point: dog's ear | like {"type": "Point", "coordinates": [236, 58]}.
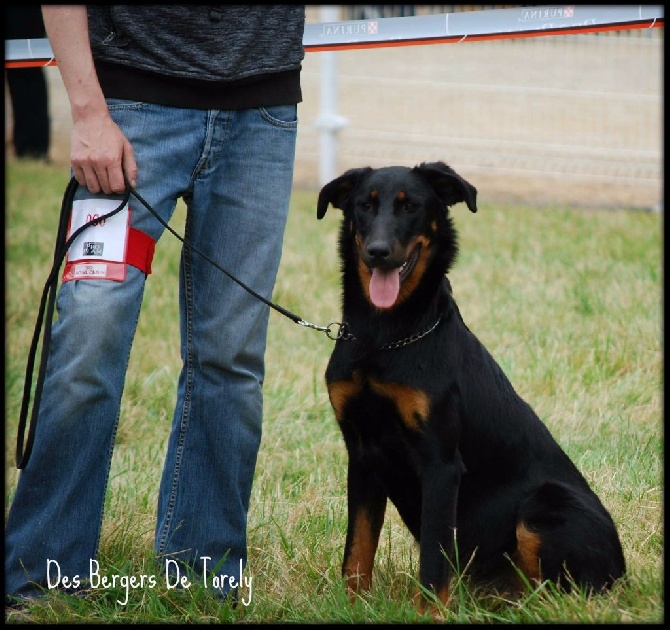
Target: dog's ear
{"type": "Point", "coordinates": [337, 192]}
{"type": "Point", "coordinates": [449, 186]}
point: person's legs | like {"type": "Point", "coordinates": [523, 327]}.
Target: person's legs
{"type": "Point", "coordinates": [237, 209]}
{"type": "Point", "coordinates": [235, 170]}
{"type": "Point", "coordinates": [30, 111]}
{"type": "Point", "coordinates": [57, 508]}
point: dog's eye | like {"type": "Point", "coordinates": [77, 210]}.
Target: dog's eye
{"type": "Point", "coordinates": [366, 205]}
{"type": "Point", "coordinates": [410, 207]}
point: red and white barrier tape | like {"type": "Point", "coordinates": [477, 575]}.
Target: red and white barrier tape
{"type": "Point", "coordinates": [441, 28]}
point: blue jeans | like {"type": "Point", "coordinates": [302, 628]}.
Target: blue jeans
{"type": "Point", "coordinates": [234, 170]}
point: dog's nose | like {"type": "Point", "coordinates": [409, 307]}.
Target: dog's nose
{"type": "Point", "coordinates": [379, 250]}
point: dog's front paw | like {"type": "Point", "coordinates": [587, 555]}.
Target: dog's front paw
{"type": "Point", "coordinates": [433, 604]}
{"type": "Point", "coordinates": [357, 584]}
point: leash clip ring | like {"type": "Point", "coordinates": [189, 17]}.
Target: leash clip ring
{"type": "Point", "coordinates": [334, 330]}
{"type": "Point", "coordinates": [342, 331]}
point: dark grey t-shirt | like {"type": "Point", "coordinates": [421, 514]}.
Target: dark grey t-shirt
{"type": "Point", "coordinates": [213, 43]}
{"type": "Point", "coordinates": [192, 55]}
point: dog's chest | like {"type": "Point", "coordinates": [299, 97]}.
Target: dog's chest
{"type": "Point", "coordinates": [373, 406]}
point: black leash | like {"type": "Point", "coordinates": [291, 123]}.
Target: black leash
{"type": "Point", "coordinates": [334, 330]}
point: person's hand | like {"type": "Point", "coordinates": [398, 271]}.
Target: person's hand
{"type": "Point", "coordinates": [100, 155]}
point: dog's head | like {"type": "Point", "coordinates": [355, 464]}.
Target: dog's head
{"type": "Point", "coordinates": [396, 219]}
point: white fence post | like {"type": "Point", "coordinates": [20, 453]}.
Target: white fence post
{"type": "Point", "coordinates": [328, 122]}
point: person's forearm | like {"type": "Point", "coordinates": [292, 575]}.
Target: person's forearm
{"type": "Point", "coordinates": [67, 29]}
{"type": "Point", "coordinates": [100, 153]}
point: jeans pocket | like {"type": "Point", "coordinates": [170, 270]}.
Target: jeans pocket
{"type": "Point", "coordinates": [280, 115]}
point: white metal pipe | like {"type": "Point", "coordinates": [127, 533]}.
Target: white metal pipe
{"type": "Point", "coordinates": [328, 122]}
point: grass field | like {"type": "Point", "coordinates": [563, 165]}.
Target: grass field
{"type": "Point", "coordinates": [570, 304]}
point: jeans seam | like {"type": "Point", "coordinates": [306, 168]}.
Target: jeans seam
{"type": "Point", "coordinates": [183, 425]}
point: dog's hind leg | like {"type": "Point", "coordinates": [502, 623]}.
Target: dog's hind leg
{"type": "Point", "coordinates": [565, 535]}
{"type": "Point", "coordinates": [528, 552]}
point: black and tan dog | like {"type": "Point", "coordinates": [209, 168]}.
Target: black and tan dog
{"type": "Point", "coordinates": [430, 420]}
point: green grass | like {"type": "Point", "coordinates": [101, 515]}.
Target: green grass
{"type": "Point", "coordinates": [569, 303]}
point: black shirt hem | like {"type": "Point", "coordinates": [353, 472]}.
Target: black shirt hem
{"type": "Point", "coordinates": [265, 90]}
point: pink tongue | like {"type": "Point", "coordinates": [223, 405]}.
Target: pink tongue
{"type": "Point", "coordinates": [384, 287]}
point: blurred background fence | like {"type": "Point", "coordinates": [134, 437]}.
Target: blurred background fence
{"type": "Point", "coordinates": [561, 119]}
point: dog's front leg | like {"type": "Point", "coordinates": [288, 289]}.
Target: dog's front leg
{"type": "Point", "coordinates": [366, 504]}
{"type": "Point", "coordinates": [440, 483]}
